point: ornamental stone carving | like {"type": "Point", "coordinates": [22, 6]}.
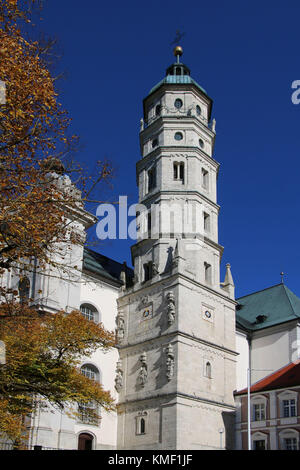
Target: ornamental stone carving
{"type": "Point", "coordinates": [119, 377]}
{"type": "Point", "coordinates": [120, 330]}
{"type": "Point", "coordinates": [170, 362]}
{"type": "Point", "coordinates": [143, 374]}
{"type": "Point", "coordinates": [171, 307]}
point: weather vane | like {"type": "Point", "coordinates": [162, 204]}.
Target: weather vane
{"type": "Point", "coordinates": [282, 274]}
{"type": "Point", "coordinates": [178, 37]}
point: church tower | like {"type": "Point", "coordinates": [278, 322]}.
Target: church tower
{"type": "Point", "coordinates": [176, 324]}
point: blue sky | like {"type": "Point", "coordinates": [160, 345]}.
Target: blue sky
{"type": "Point", "coordinates": [245, 54]}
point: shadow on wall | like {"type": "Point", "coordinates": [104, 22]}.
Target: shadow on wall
{"type": "Point", "coordinates": [229, 427]}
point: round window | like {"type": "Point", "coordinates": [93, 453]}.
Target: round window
{"type": "Point", "coordinates": [178, 136]}
{"type": "Point", "coordinates": [201, 143]}
{"type": "Point", "coordinates": [198, 110]}
{"type": "Point", "coordinates": [178, 103]}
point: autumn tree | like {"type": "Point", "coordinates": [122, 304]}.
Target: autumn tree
{"type": "Point", "coordinates": [37, 218]}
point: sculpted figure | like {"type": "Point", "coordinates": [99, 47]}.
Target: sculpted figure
{"type": "Point", "coordinates": [171, 308]}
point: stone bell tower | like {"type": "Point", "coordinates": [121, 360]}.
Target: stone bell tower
{"type": "Point", "coordinates": [176, 325]}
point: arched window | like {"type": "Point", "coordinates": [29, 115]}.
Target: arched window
{"type": "Point", "coordinates": [141, 422]}
{"type": "Point", "coordinates": [91, 372]}
{"type": "Point", "coordinates": [90, 312]}
{"type": "Point", "coordinates": [208, 370]}
{"type": "Point", "coordinates": [85, 441]}
{"type": "Point", "coordinates": [24, 289]}
{"type": "Point", "coordinates": [88, 411]}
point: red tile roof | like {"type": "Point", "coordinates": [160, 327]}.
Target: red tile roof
{"type": "Point", "coordinates": [287, 376]}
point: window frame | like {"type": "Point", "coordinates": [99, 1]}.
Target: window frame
{"type": "Point", "coordinates": [142, 417]}
{"type": "Point", "coordinates": [93, 314]}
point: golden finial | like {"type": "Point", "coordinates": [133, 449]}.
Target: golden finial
{"type": "Point", "coordinates": [178, 51]}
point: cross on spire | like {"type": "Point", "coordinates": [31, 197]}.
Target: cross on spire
{"type": "Point", "coordinates": [178, 37]}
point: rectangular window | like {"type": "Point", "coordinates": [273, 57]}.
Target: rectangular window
{"type": "Point", "coordinates": [259, 445]}
{"type": "Point", "coordinates": [205, 178]}
{"type": "Point", "coordinates": [147, 271]}
{"type": "Point", "coordinates": [178, 171]}
{"type": "Point", "coordinates": [289, 408]}
{"type": "Point", "coordinates": [151, 179]}
{"type": "Point", "coordinates": [206, 221]}
{"type": "Point", "coordinates": [259, 412]}
{"type": "Point", "coordinates": [175, 170]}
{"type": "Point", "coordinates": [181, 171]}
{"type": "Point", "coordinates": [207, 270]}
{"type": "Point", "coordinates": [290, 443]}
{"type": "Point", "coordinates": [88, 413]}
{"type": "Point", "coordinates": [149, 223]}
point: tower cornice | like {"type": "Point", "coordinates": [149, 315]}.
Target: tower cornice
{"type": "Point", "coordinates": [153, 196]}
{"type": "Point", "coordinates": [162, 87]}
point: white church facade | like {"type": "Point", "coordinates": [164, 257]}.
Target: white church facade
{"type": "Point", "coordinates": [184, 343]}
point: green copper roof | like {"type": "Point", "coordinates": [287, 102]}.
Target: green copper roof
{"type": "Point", "coordinates": [182, 79]}
{"type": "Point", "coordinates": [105, 267]}
{"type": "Point", "coordinates": [268, 307]}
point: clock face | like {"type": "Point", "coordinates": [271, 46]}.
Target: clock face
{"type": "Point", "coordinates": [207, 314]}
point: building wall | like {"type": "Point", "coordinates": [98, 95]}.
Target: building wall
{"type": "Point", "coordinates": [274, 428]}
{"type": "Point", "coordinates": [271, 349]}
{"type": "Point", "coordinates": [242, 364]}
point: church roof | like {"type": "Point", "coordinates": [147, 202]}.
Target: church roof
{"type": "Point", "coordinates": [105, 267]}
{"type": "Point", "coordinates": [268, 307]}
{"type": "Point", "coordinates": [175, 79]}
{"type": "Point", "coordinates": [287, 376]}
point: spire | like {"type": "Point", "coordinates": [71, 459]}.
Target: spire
{"type": "Point", "coordinates": [228, 284]}
{"type": "Point", "coordinates": [228, 276]}
{"type": "Point", "coordinates": [179, 257]}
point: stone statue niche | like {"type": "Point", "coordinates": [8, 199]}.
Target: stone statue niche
{"type": "Point", "coordinates": [171, 308]}
{"type": "Point", "coordinates": [143, 374]}
{"type": "Point", "coordinates": [119, 377]}
{"type": "Point", "coordinates": [120, 330]}
{"type": "Point", "coordinates": [170, 362]}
